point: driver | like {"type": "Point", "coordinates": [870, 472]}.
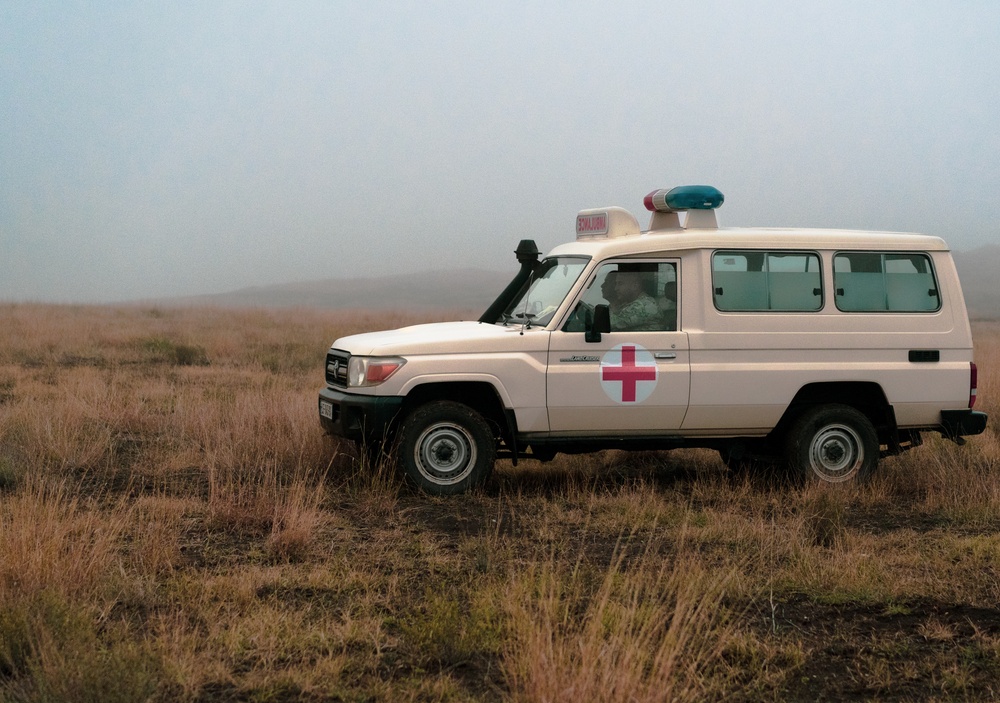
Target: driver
{"type": "Point", "coordinates": [634, 309]}
{"type": "Point", "coordinates": [608, 290]}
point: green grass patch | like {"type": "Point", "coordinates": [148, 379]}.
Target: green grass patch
{"type": "Point", "coordinates": [163, 350]}
{"type": "Point", "coordinates": [50, 650]}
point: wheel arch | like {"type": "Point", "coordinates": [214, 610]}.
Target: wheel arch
{"type": "Point", "coordinates": [481, 396]}
{"type": "Point", "coordinates": [867, 397]}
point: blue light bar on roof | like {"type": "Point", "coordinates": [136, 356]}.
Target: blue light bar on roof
{"type": "Point", "coordinates": [684, 198]}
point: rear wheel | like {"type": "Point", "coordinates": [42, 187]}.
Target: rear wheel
{"type": "Point", "coordinates": [446, 448]}
{"type": "Point", "coordinates": [832, 444]}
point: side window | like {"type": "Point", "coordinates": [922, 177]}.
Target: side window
{"type": "Point", "coordinates": [882, 282]}
{"type": "Point", "coordinates": [767, 280]}
{"type": "Point", "coordinates": [641, 296]}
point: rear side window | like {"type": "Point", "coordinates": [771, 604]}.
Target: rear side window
{"type": "Point", "coordinates": [767, 280]}
{"type": "Point", "coordinates": [883, 282]}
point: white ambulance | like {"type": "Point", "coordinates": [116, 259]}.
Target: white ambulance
{"type": "Point", "coordinates": [810, 351]}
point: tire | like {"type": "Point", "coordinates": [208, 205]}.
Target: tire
{"type": "Point", "coordinates": [446, 448]}
{"type": "Point", "coordinates": [832, 444]}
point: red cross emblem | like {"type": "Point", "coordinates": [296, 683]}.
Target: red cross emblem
{"type": "Point", "coordinates": [628, 365]}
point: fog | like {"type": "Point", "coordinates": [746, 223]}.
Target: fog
{"type": "Point", "coordinates": [165, 149]}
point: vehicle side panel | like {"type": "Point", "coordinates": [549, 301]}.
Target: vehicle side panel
{"type": "Point", "coordinates": [747, 367]}
{"type": "Point", "coordinates": [515, 375]}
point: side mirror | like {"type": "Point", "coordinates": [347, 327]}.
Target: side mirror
{"type": "Point", "coordinates": [601, 324]}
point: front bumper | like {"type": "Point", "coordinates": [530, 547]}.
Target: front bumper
{"type": "Point", "coordinates": [360, 418]}
{"type": "Point", "coordinates": [959, 423]}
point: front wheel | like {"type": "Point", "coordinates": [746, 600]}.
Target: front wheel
{"type": "Point", "coordinates": [446, 448]}
{"type": "Point", "coordinates": [833, 443]}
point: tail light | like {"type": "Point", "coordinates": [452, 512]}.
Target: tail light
{"type": "Point", "coordinates": [973, 383]}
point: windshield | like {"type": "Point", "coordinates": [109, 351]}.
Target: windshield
{"type": "Point", "coordinates": [547, 288]}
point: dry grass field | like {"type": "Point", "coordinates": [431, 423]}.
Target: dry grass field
{"type": "Point", "coordinates": [174, 526]}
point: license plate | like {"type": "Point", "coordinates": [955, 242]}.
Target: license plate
{"type": "Point", "coordinates": [326, 409]}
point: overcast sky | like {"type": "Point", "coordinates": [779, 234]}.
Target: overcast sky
{"type": "Point", "coordinates": [151, 149]}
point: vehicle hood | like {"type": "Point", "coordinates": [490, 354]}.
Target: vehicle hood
{"type": "Point", "coordinates": [443, 337]}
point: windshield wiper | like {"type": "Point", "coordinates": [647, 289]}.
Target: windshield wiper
{"type": "Point", "coordinates": [527, 317]}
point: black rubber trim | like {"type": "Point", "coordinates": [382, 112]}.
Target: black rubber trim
{"type": "Point", "coordinates": [360, 418]}
{"type": "Point", "coordinates": [960, 423]}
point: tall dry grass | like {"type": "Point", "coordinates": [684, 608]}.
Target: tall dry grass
{"type": "Point", "coordinates": [60, 577]}
{"type": "Point", "coordinates": [641, 629]}
{"type": "Point", "coordinates": [55, 541]}
{"type": "Point", "coordinates": [174, 526]}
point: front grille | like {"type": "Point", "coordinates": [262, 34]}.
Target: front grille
{"type": "Point", "coordinates": [336, 368]}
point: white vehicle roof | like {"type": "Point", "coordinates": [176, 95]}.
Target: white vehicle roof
{"type": "Point", "coordinates": [748, 237]}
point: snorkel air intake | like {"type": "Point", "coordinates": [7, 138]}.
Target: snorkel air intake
{"type": "Point", "coordinates": [527, 256]}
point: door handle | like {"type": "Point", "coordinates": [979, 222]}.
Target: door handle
{"type": "Point", "coordinates": [665, 355]}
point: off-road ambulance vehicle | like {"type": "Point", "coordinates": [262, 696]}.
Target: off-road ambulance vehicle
{"type": "Point", "coordinates": [814, 351]}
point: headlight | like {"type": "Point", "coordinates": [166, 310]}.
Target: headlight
{"type": "Point", "coordinates": [372, 370]}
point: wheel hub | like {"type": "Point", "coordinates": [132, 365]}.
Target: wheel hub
{"type": "Point", "coordinates": [836, 453]}
{"type": "Point", "coordinates": [445, 453]}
